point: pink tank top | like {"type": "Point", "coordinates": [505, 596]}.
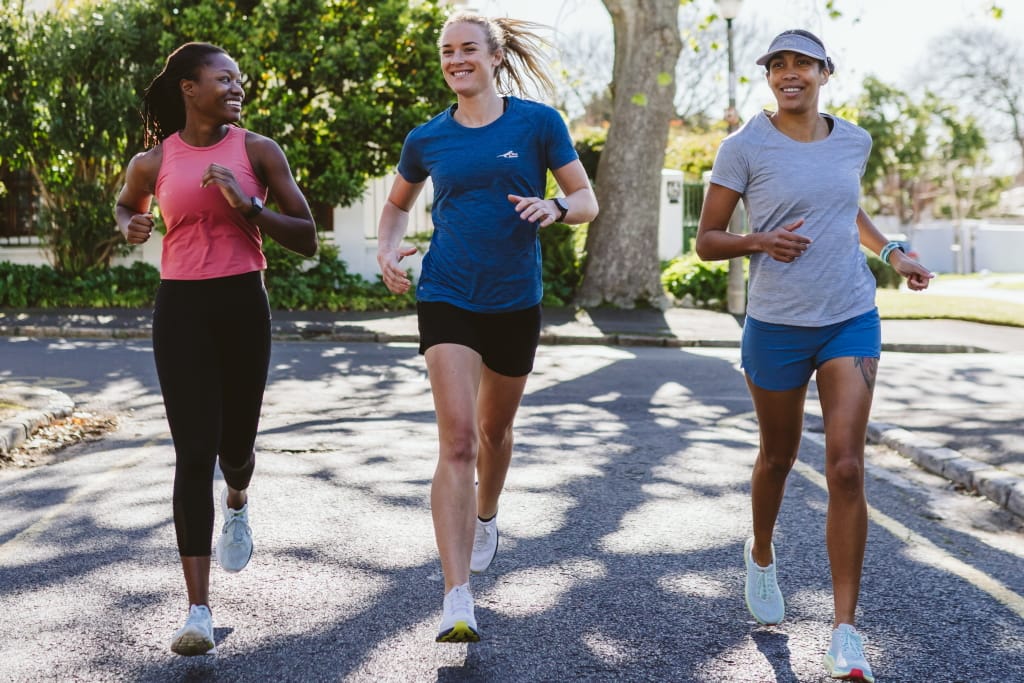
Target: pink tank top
{"type": "Point", "coordinates": [206, 238]}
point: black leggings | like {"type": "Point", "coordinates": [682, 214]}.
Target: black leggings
{"type": "Point", "coordinates": [211, 342]}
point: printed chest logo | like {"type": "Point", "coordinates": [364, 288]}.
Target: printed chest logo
{"type": "Point", "coordinates": [511, 154]}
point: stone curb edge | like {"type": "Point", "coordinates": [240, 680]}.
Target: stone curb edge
{"type": "Point", "coordinates": [324, 333]}
{"type": "Point", "coordinates": [16, 431]}
{"type": "Point", "coordinates": [1002, 488]}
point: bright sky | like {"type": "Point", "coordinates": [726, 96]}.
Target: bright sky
{"type": "Point", "coordinates": [884, 38]}
{"type": "Point", "coordinates": [887, 38]}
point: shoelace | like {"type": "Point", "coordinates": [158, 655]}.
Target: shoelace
{"type": "Point", "coordinates": [852, 645]}
{"type": "Point", "coordinates": [462, 601]}
{"type": "Point", "coordinates": [237, 525]}
{"type": "Point", "coordinates": [481, 539]}
{"type": "Point", "coordinates": [764, 585]}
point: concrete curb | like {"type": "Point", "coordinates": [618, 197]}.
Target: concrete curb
{"type": "Point", "coordinates": [44, 406]}
{"type": "Point", "coordinates": [1001, 487]}
{"type": "Point", "coordinates": [315, 332]}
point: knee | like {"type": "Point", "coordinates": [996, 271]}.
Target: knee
{"type": "Point", "coordinates": [459, 446]}
{"type": "Point", "coordinates": [776, 463]}
{"type": "Point", "coordinates": [496, 435]}
{"type": "Point", "coordinates": [845, 475]}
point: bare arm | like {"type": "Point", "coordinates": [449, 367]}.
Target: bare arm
{"type": "Point", "coordinates": [871, 237]}
{"type": "Point", "coordinates": [292, 224]}
{"type": "Point", "coordinates": [579, 197]}
{"type": "Point", "coordinates": [131, 212]}
{"type": "Point", "coordinates": [394, 221]}
{"type": "Point", "coordinates": [715, 242]}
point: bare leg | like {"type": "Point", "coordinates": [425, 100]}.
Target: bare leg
{"type": "Point", "coordinates": [197, 579]}
{"type": "Point", "coordinates": [496, 410]}
{"type": "Point", "coordinates": [780, 417]}
{"type": "Point", "coordinates": [454, 372]}
{"type": "Point", "coordinates": [845, 387]}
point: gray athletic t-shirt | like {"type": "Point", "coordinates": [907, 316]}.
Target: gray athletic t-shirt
{"type": "Point", "coordinates": [783, 180]}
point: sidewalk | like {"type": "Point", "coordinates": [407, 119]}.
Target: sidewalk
{"type": "Point", "coordinates": [996, 470]}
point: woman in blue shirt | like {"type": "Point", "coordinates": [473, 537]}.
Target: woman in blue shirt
{"type": "Point", "coordinates": [479, 293]}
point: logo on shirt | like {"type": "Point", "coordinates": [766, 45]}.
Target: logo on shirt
{"type": "Point", "coordinates": [511, 154]}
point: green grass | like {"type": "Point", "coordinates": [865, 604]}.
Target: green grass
{"type": "Point", "coordinates": [901, 305]}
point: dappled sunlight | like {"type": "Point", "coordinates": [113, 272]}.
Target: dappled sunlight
{"type": "Point", "coordinates": [698, 585]}
{"type": "Point", "coordinates": [530, 514]}
{"type": "Point", "coordinates": [706, 464]}
{"type": "Point", "coordinates": [665, 525]}
{"type": "Point", "coordinates": [550, 369]}
{"type": "Point", "coordinates": [609, 650]}
{"type": "Point", "coordinates": [331, 513]}
{"type": "Point", "coordinates": [318, 594]}
{"type": "Point", "coordinates": [743, 655]}
{"type": "Point", "coordinates": [529, 592]}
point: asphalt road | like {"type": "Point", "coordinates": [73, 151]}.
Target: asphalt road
{"type": "Point", "coordinates": [622, 528]}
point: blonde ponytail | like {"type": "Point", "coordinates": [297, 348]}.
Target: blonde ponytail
{"type": "Point", "coordinates": [524, 64]}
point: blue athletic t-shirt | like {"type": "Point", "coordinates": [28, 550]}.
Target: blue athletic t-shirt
{"type": "Point", "coordinates": [482, 256]}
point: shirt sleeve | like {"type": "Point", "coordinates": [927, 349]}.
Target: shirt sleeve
{"type": "Point", "coordinates": [560, 148]}
{"type": "Point", "coordinates": [410, 163]}
{"type": "Point", "coordinates": [731, 169]}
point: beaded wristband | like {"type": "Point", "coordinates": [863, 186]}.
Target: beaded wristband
{"type": "Point", "coordinates": [888, 249]}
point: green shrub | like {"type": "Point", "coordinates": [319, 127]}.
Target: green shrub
{"type": "Point", "coordinates": [324, 283]}
{"type": "Point", "coordinates": [27, 286]}
{"type": "Point", "coordinates": [705, 282]}
{"type": "Point", "coordinates": [885, 275]}
{"type": "Point", "coordinates": [561, 249]}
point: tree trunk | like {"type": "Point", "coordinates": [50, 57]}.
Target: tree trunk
{"type": "Point", "coordinates": [622, 265]}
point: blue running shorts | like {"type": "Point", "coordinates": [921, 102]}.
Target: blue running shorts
{"type": "Point", "coordinates": [783, 357]}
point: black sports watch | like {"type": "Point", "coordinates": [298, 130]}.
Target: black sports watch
{"type": "Point", "coordinates": [563, 208]}
{"type": "Point", "coordinates": [257, 208]}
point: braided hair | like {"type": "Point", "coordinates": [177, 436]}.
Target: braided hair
{"type": "Point", "coordinates": [163, 109]}
{"type": "Point", "coordinates": [524, 63]}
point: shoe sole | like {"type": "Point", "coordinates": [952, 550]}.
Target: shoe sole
{"type": "Point", "coordinates": [497, 540]}
{"type": "Point", "coordinates": [191, 645]}
{"type": "Point", "coordinates": [461, 632]}
{"type": "Point", "coordinates": [851, 675]}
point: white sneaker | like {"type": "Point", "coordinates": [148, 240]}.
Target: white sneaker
{"type": "Point", "coordinates": [764, 599]}
{"type": "Point", "coordinates": [485, 545]}
{"type": "Point", "coordinates": [458, 623]}
{"type": "Point", "coordinates": [845, 656]}
{"type": "Point", "coordinates": [234, 547]}
{"type": "Point", "coordinates": [196, 636]}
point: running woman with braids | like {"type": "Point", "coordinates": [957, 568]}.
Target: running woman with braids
{"type": "Point", "coordinates": [211, 321]}
{"type": "Point", "coordinates": [811, 310]}
{"type": "Point", "coordinates": [479, 293]}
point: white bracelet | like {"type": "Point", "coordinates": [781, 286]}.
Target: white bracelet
{"type": "Point", "coordinates": [888, 249]}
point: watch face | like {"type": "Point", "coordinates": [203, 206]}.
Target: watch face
{"type": "Point", "coordinates": [257, 204]}
{"type": "Point", "coordinates": [561, 204]}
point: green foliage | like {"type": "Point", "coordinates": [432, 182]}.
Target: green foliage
{"type": "Point", "coordinates": [72, 80]}
{"type": "Point", "coordinates": [886, 276]}
{"type": "Point", "coordinates": [704, 282]}
{"type": "Point", "coordinates": [926, 157]}
{"type": "Point", "coordinates": [324, 283]}
{"type": "Point", "coordinates": [337, 83]}
{"type": "Point", "coordinates": [589, 144]}
{"type": "Point", "coordinates": [692, 150]}
{"type": "Point", "coordinates": [561, 249]}
{"type": "Point", "coordinates": [23, 286]}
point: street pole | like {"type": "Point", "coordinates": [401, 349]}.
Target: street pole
{"type": "Point", "coordinates": [736, 288]}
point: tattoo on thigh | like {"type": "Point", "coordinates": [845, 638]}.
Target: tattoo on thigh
{"type": "Point", "coordinates": [868, 369]}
